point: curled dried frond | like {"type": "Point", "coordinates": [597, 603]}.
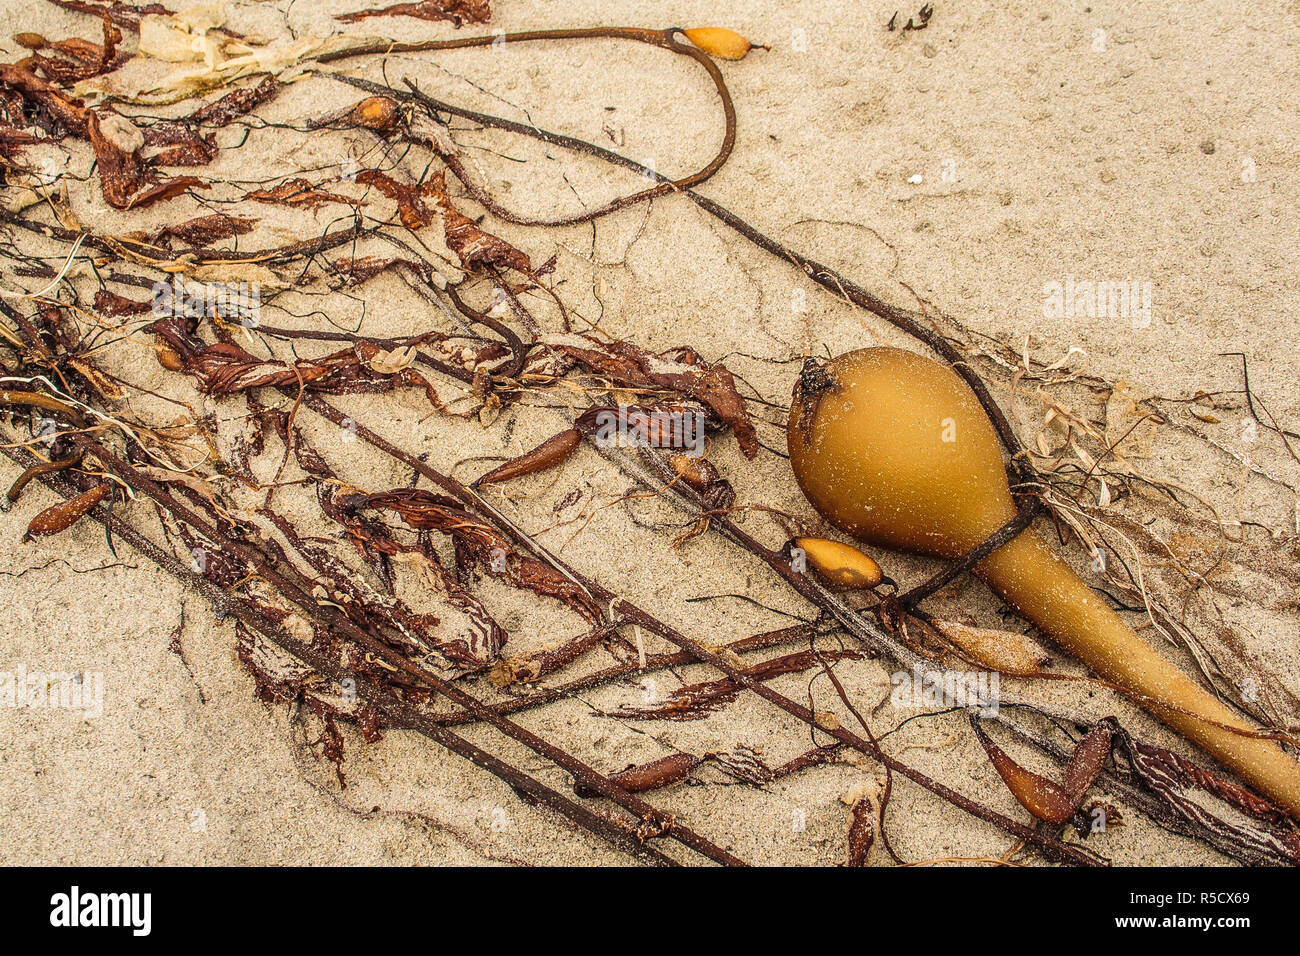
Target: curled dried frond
{"type": "Point", "coordinates": [1040, 796]}
{"type": "Point", "coordinates": [298, 192]}
{"type": "Point", "coordinates": [474, 247]}
{"type": "Point", "coordinates": [125, 181]}
{"type": "Point", "coordinates": [480, 543]}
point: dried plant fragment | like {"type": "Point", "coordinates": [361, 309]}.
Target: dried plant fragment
{"type": "Point", "coordinates": [410, 202]}
{"type": "Point", "coordinates": [81, 59]}
{"type": "Point", "coordinates": [123, 179]}
{"type": "Point", "coordinates": [654, 775]}
{"type": "Point", "coordinates": [68, 111]}
{"type": "Point", "coordinates": [202, 231]}
{"type": "Point", "coordinates": [1035, 793]}
{"type": "Point", "coordinates": [527, 668]}
{"type": "Point", "coordinates": [679, 370]}
{"type": "Point", "coordinates": [126, 15]}
{"type": "Point", "coordinates": [553, 451]}
{"type": "Point", "coordinates": [1178, 783]}
{"type": "Point", "coordinates": [1089, 757]}
{"type": "Point", "coordinates": [697, 701]}
{"type": "Point", "coordinates": [226, 368]}
{"type": "Point", "coordinates": [468, 639]}
{"type": "Point", "coordinates": [234, 104]}
{"type": "Point", "coordinates": [111, 304]}
{"type": "Point", "coordinates": [204, 55]}
{"type": "Point", "coordinates": [62, 516]}
{"type": "Point", "coordinates": [1004, 651]}
{"type": "Point", "coordinates": [483, 544]}
{"type": "Point", "coordinates": [12, 140]}
{"type": "Point", "coordinates": [744, 764]}
{"type": "Point", "coordinates": [474, 247]}
{"type": "Point", "coordinates": [362, 269]}
{"type": "Point", "coordinates": [281, 678]}
{"type": "Point", "coordinates": [298, 192]}
{"type": "Point", "coordinates": [862, 832]}
{"type": "Point", "coordinates": [174, 144]}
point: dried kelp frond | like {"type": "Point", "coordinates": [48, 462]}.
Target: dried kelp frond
{"type": "Point", "coordinates": [125, 180]}
{"type": "Point", "coordinates": [697, 701]}
{"type": "Point", "coordinates": [479, 544]}
{"type": "Point", "coordinates": [122, 14]}
{"type": "Point", "coordinates": [201, 231]}
{"type": "Point", "coordinates": [226, 368]}
{"type": "Point", "coordinates": [677, 370]}
{"type": "Point", "coordinates": [281, 678]}
{"type": "Point", "coordinates": [81, 59]}
{"type": "Point", "coordinates": [234, 104]}
{"type": "Point", "coordinates": [744, 764]}
{"type": "Point", "coordinates": [110, 303]}
{"type": "Point", "coordinates": [361, 269]}
{"type": "Point", "coordinates": [474, 247]}
{"type": "Point", "coordinates": [1040, 796]}
{"type": "Point", "coordinates": [410, 199]}
{"type": "Point", "coordinates": [299, 192]}
{"type": "Point", "coordinates": [469, 640]}
{"type": "Point", "coordinates": [175, 144]}
{"type": "Point", "coordinates": [69, 111]}
{"type": "Point", "coordinates": [472, 642]}
{"type": "Point", "coordinates": [1258, 825]}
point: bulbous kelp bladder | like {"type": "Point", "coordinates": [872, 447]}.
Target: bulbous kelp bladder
{"type": "Point", "coordinates": [895, 449]}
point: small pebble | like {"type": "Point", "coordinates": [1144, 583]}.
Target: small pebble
{"type": "Point", "coordinates": [1207, 147]}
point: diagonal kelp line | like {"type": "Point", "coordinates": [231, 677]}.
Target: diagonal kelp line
{"type": "Point", "coordinates": [298, 591]}
{"type": "Point", "coordinates": [620, 608]}
{"type": "Point", "coordinates": [403, 715]}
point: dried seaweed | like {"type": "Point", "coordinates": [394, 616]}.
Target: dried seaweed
{"type": "Point", "coordinates": [290, 590]}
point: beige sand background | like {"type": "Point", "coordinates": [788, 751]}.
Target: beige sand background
{"type": "Point", "coordinates": [1102, 141]}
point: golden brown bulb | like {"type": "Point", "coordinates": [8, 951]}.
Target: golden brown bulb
{"type": "Point", "coordinates": [720, 42]}
{"type": "Point", "coordinates": [894, 448]}
{"type": "Point", "coordinates": [840, 564]}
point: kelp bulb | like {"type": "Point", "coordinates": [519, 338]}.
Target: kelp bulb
{"type": "Point", "coordinates": [895, 449]}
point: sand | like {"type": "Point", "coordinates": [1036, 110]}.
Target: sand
{"type": "Point", "coordinates": [966, 166]}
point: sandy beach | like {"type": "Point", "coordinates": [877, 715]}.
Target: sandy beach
{"type": "Point", "coordinates": [983, 170]}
